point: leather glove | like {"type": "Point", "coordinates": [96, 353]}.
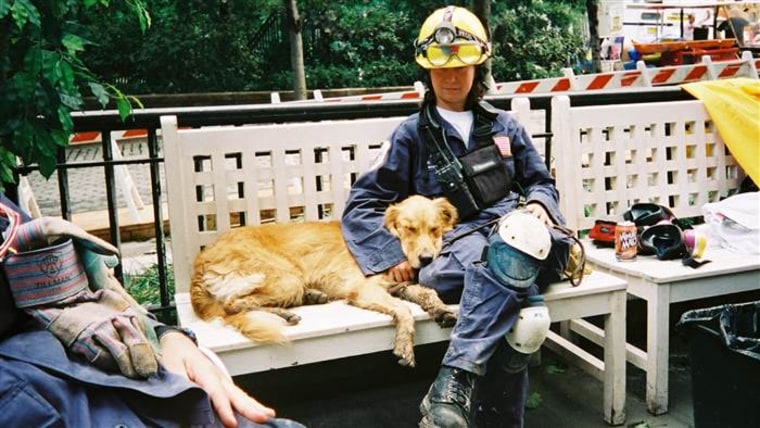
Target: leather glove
{"type": "Point", "coordinates": [576, 262]}
{"type": "Point", "coordinates": [86, 309]}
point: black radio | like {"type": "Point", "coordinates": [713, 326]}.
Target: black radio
{"type": "Point", "coordinates": [454, 185]}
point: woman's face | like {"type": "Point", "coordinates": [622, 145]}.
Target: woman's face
{"type": "Point", "coordinates": [451, 86]}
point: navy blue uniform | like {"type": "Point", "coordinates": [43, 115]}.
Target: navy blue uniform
{"type": "Point", "coordinates": [487, 308]}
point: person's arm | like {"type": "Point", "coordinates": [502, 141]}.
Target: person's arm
{"type": "Point", "coordinates": [375, 249]}
{"type": "Point", "coordinates": [181, 356]}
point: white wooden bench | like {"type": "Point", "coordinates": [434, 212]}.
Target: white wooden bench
{"type": "Point", "coordinates": [302, 171]}
{"type": "Point", "coordinates": [670, 153]}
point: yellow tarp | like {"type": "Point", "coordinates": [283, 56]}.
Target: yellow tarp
{"type": "Point", "coordinates": [734, 107]}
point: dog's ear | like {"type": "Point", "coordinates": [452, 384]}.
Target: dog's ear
{"type": "Point", "coordinates": [447, 211]}
{"type": "Point", "coordinates": [391, 218]}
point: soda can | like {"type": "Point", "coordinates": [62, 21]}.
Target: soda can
{"type": "Point", "coordinates": [626, 241]}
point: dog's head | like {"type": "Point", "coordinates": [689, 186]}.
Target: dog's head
{"type": "Point", "coordinates": [419, 223]}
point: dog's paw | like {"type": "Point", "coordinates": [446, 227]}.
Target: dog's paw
{"type": "Point", "coordinates": [405, 355]}
{"type": "Point", "coordinates": [406, 361]}
{"type": "Point", "coordinates": [314, 297]}
{"type": "Point", "coordinates": [292, 319]}
{"type": "Point", "coordinates": [446, 318]}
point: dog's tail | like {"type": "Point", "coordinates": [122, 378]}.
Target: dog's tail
{"type": "Point", "coordinates": [259, 326]}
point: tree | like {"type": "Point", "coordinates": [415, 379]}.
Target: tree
{"type": "Point", "coordinates": [42, 78]}
{"type": "Point", "coordinates": [192, 47]}
{"type": "Point", "coordinates": [592, 9]}
{"type": "Point", "coordinates": [536, 39]}
{"type": "Point", "coordinates": [482, 9]}
{"type": "Point", "coordinates": [295, 24]}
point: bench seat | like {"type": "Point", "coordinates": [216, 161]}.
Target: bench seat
{"type": "Point", "coordinates": [374, 331]}
{"type": "Point", "coordinates": [219, 178]}
{"type": "Point", "coordinates": [337, 330]}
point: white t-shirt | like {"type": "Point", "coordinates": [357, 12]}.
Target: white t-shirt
{"type": "Point", "coordinates": [462, 121]}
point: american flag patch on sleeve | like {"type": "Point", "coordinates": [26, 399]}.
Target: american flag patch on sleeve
{"type": "Point", "coordinates": [502, 142]}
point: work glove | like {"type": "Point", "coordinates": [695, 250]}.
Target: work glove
{"type": "Point", "coordinates": [60, 275]}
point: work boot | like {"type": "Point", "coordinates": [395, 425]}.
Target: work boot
{"type": "Point", "coordinates": [447, 403]}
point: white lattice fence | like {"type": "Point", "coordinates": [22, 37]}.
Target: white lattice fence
{"type": "Point", "coordinates": [610, 157]}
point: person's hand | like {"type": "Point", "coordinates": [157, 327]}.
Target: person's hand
{"type": "Point", "coordinates": [401, 272]}
{"type": "Point", "coordinates": [538, 210]}
{"type": "Point", "coordinates": [182, 357]}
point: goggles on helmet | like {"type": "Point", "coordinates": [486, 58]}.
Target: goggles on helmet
{"type": "Point", "coordinates": [441, 46]}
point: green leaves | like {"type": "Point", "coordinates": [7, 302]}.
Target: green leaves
{"type": "Point", "coordinates": [5, 7]}
{"type": "Point", "coordinates": [7, 160]}
{"type": "Point", "coordinates": [138, 7]}
{"type": "Point", "coordinates": [43, 75]}
{"type": "Point", "coordinates": [533, 401]}
{"type": "Point", "coordinates": [23, 11]}
{"type": "Point", "coordinates": [99, 92]}
{"type": "Point", "coordinates": [73, 43]}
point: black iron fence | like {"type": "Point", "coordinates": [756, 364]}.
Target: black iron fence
{"type": "Point", "coordinates": [106, 122]}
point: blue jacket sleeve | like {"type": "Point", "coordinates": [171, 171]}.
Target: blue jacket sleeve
{"type": "Point", "coordinates": [388, 181]}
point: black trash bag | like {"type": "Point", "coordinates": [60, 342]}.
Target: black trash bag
{"type": "Point", "coordinates": [724, 354]}
{"type": "Point", "coordinates": [738, 325]}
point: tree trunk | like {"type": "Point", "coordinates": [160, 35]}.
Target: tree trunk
{"type": "Point", "coordinates": [482, 9]}
{"type": "Point", "coordinates": [592, 9]}
{"type": "Point", "coordinates": [293, 20]}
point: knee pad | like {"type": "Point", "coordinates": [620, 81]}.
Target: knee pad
{"type": "Point", "coordinates": [517, 250]}
{"type": "Point", "coordinates": [529, 331]}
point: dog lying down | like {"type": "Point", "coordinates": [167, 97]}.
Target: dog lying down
{"type": "Point", "coordinates": [252, 274]}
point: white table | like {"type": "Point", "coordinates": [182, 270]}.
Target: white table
{"type": "Point", "coordinates": [661, 283]}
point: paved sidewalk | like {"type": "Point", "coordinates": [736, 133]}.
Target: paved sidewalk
{"type": "Point", "coordinates": [374, 392]}
{"type": "Point", "coordinates": [87, 185]}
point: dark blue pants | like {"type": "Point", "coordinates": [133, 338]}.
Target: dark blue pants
{"type": "Point", "coordinates": [487, 310]}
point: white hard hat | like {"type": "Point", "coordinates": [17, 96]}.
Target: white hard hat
{"type": "Point", "coordinates": [518, 248]}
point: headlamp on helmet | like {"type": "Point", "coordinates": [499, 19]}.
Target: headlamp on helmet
{"type": "Point", "coordinates": [445, 33]}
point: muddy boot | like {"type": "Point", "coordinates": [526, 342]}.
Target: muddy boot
{"type": "Point", "coordinates": [447, 403]}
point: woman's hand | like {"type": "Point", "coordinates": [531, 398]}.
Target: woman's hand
{"type": "Point", "coordinates": [182, 357]}
{"type": "Point", "coordinates": [538, 210]}
{"type": "Point", "coordinates": [401, 272]}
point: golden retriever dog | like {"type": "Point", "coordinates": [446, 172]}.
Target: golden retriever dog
{"type": "Point", "coordinates": [252, 274]}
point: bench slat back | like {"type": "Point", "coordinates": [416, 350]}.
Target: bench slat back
{"type": "Point", "coordinates": [223, 177]}
{"type": "Point", "coordinates": [219, 178]}
{"type": "Point", "coordinates": [609, 157]}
